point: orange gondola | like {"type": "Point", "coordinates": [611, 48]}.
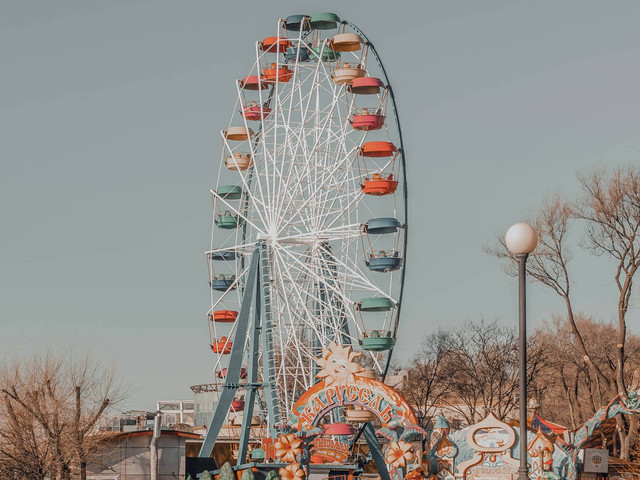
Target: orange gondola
{"type": "Point", "coordinates": [225, 316]}
{"type": "Point", "coordinates": [222, 346]}
{"type": "Point", "coordinates": [275, 45]}
{"type": "Point", "coordinates": [237, 405]}
{"type": "Point", "coordinates": [379, 185]}
{"type": "Point", "coordinates": [274, 74]}
{"type": "Point", "coordinates": [378, 149]}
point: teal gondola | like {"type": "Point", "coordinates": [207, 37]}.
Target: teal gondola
{"type": "Point", "coordinates": [294, 23]}
{"type": "Point", "coordinates": [375, 304]}
{"type": "Point", "coordinates": [230, 192]}
{"type": "Point", "coordinates": [378, 341]}
{"type": "Point", "coordinates": [228, 221]}
{"type": "Point", "coordinates": [384, 261]}
{"type": "Point", "coordinates": [223, 256]}
{"type": "Point", "coordinates": [327, 55]}
{"type": "Point", "coordinates": [324, 21]}
{"type": "Point", "coordinates": [382, 225]}
{"type": "Point", "coordinates": [302, 55]}
{"type": "Point", "coordinates": [222, 283]}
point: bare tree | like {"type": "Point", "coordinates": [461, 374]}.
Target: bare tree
{"type": "Point", "coordinates": [549, 263]}
{"type": "Point", "coordinates": [51, 404]}
{"type": "Point", "coordinates": [482, 366]}
{"type": "Point", "coordinates": [23, 454]}
{"type": "Point", "coordinates": [611, 209]}
{"type": "Point", "coordinates": [427, 382]}
{"type": "Point", "coordinates": [470, 370]}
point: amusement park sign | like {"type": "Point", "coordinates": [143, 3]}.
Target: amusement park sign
{"type": "Point", "coordinates": [368, 393]}
{"type": "Point", "coordinates": [323, 450]}
{"type": "Point", "coordinates": [342, 385]}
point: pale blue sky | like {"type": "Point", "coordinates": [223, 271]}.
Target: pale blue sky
{"type": "Point", "coordinates": [109, 113]}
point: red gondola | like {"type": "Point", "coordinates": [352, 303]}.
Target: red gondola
{"type": "Point", "coordinates": [253, 82]}
{"type": "Point", "coordinates": [366, 86]}
{"type": "Point", "coordinates": [339, 429]}
{"type": "Point", "coordinates": [275, 45]}
{"type": "Point", "coordinates": [223, 373]}
{"type": "Point", "coordinates": [254, 111]}
{"type": "Point", "coordinates": [366, 121]}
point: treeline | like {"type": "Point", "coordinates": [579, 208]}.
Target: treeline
{"type": "Point", "coordinates": [471, 370]}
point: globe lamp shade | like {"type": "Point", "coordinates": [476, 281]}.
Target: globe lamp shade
{"type": "Point", "coordinates": [521, 239]}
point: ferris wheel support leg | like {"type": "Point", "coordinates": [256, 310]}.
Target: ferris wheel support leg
{"type": "Point", "coordinates": [376, 452]}
{"type": "Point", "coordinates": [268, 361]}
{"type": "Point", "coordinates": [232, 378]}
{"type": "Point", "coordinates": [252, 387]}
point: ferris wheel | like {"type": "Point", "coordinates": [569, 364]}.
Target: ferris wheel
{"type": "Point", "coordinates": [310, 200]}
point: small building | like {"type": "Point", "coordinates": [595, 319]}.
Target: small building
{"type": "Point", "coordinates": [128, 455]}
{"type": "Point", "coordinates": [176, 413]}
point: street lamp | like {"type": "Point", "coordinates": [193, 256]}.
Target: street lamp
{"type": "Point", "coordinates": [521, 239]}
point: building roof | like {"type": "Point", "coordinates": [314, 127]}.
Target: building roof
{"type": "Point", "coordinates": [138, 433]}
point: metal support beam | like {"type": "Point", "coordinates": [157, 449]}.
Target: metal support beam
{"type": "Point", "coordinates": [376, 452]}
{"type": "Point", "coordinates": [252, 387]}
{"type": "Point", "coordinates": [232, 378]}
{"type": "Point", "coordinates": [268, 361]}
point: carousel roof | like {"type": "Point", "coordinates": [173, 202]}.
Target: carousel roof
{"type": "Point", "coordinates": [535, 421]}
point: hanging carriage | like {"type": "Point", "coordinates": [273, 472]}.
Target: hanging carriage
{"type": "Point", "coordinates": [378, 168]}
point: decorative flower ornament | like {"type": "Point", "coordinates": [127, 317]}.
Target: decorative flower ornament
{"type": "Point", "coordinates": [288, 447]}
{"type": "Point", "coordinates": [291, 472]}
{"type": "Point", "coordinates": [415, 474]}
{"type": "Point", "coordinates": [398, 454]}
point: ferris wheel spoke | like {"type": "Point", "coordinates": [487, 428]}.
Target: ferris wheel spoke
{"type": "Point", "coordinates": [297, 263]}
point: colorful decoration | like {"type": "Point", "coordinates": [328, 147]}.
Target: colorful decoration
{"type": "Point", "coordinates": [492, 441]}
{"type": "Point", "coordinates": [291, 472]}
{"type": "Point", "coordinates": [540, 450]}
{"type": "Point", "coordinates": [327, 450]}
{"type": "Point", "coordinates": [415, 474]}
{"type": "Point", "coordinates": [443, 451]}
{"type": "Point", "coordinates": [399, 451]}
{"type": "Point", "coordinates": [288, 447]}
{"type": "Point", "coordinates": [398, 454]}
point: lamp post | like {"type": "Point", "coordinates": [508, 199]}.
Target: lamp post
{"type": "Point", "coordinates": [521, 239]}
